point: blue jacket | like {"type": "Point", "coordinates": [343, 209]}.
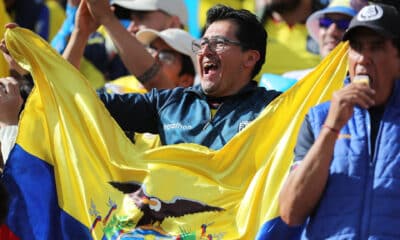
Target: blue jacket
{"type": "Point", "coordinates": [362, 196]}
{"type": "Point", "coordinates": [182, 115]}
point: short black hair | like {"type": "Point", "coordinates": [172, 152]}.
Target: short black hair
{"type": "Point", "coordinates": [250, 33]}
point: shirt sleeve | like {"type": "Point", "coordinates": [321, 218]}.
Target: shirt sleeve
{"type": "Point", "coordinates": [133, 112]}
{"type": "Point", "coordinates": [305, 140]}
{"type": "Point", "coordinates": [8, 136]}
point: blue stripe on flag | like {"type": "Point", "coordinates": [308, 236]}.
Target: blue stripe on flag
{"type": "Point", "coordinates": [33, 200]}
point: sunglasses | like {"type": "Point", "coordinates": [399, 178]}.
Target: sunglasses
{"type": "Point", "coordinates": [342, 24]}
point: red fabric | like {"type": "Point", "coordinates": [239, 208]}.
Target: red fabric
{"type": "Point", "coordinates": [6, 234]}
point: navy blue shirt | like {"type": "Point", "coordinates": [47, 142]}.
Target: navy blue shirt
{"type": "Point", "coordinates": [183, 115]}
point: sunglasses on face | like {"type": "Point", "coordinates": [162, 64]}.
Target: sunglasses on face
{"type": "Point", "coordinates": [326, 22]}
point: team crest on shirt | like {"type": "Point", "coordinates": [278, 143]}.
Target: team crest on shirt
{"type": "Point", "coordinates": [242, 125]}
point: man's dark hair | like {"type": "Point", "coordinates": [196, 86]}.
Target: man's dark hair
{"type": "Point", "coordinates": [187, 66]}
{"type": "Point", "coordinates": [3, 203]}
{"type": "Point", "coordinates": [251, 34]}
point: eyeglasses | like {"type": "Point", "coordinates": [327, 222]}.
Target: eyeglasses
{"type": "Point", "coordinates": [326, 22]}
{"type": "Point", "coordinates": [215, 44]}
{"type": "Point", "coordinates": [164, 56]}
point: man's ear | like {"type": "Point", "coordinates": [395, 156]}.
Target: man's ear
{"type": "Point", "coordinates": [186, 80]}
{"type": "Point", "coordinates": [251, 57]}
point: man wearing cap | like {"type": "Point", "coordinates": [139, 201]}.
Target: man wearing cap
{"type": "Point", "coordinates": [172, 49]}
{"type": "Point", "coordinates": [140, 19]}
{"type": "Point", "coordinates": [100, 50]}
{"type": "Point", "coordinates": [347, 182]}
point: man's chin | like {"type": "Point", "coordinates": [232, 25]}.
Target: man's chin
{"type": "Point", "coordinates": [208, 87]}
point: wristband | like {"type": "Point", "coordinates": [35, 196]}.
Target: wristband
{"type": "Point", "coordinates": [332, 129]}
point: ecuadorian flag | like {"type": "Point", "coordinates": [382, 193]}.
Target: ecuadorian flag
{"type": "Point", "coordinates": [74, 175]}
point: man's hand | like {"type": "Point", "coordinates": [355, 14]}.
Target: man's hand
{"type": "Point", "coordinates": [100, 10]}
{"type": "Point", "coordinates": [84, 21]}
{"type": "Point", "coordinates": [344, 100]}
{"type": "Point", "coordinates": [10, 101]}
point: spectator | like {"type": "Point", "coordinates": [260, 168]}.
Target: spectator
{"type": "Point", "coordinates": [157, 15]}
{"type": "Point", "coordinates": [172, 48]}
{"type": "Point", "coordinates": [326, 27]}
{"type": "Point", "coordinates": [289, 45]}
{"type": "Point", "coordinates": [10, 105]}
{"type": "Point", "coordinates": [33, 15]}
{"type": "Point", "coordinates": [346, 182]}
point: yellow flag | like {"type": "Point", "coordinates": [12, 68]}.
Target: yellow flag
{"type": "Point", "coordinates": [90, 181]}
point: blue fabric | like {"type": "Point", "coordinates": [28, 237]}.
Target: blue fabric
{"type": "Point", "coordinates": [193, 21]}
{"type": "Point", "coordinates": [276, 82]}
{"type": "Point", "coordinates": [60, 40]}
{"type": "Point", "coordinates": [363, 191]}
{"type": "Point", "coordinates": [183, 115]}
{"type": "Point", "coordinates": [277, 229]}
{"type": "Point", "coordinates": [29, 179]}
{"type": "Point", "coordinates": [42, 26]}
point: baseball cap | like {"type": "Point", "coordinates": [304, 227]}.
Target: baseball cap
{"type": "Point", "coordinates": [171, 7]}
{"type": "Point", "coordinates": [377, 17]}
{"type": "Point", "coordinates": [335, 6]}
{"type": "Point", "coordinates": [178, 39]}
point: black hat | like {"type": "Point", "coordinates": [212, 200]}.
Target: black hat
{"type": "Point", "coordinates": [380, 18]}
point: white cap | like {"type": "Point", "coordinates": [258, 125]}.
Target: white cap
{"type": "Point", "coordinates": [172, 7]}
{"type": "Point", "coordinates": [178, 39]}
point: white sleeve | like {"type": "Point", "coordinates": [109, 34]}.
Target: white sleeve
{"type": "Point", "coordinates": [8, 135]}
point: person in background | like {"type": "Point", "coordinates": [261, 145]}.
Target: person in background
{"type": "Point", "coordinates": [326, 27]}
{"type": "Point", "coordinates": [85, 25]}
{"type": "Point", "coordinates": [100, 61]}
{"type": "Point", "coordinates": [172, 48]}
{"type": "Point", "coordinates": [346, 173]}
{"type": "Point", "coordinates": [40, 16]}
{"type": "Point", "coordinates": [289, 45]}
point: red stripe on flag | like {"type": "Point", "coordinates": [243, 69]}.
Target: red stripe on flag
{"type": "Point", "coordinates": [6, 234]}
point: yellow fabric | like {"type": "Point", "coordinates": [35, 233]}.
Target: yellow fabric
{"type": "Point", "coordinates": [88, 149]}
{"type": "Point", "coordinates": [286, 49]}
{"type": "Point", "coordinates": [4, 18]}
{"type": "Point", "coordinates": [126, 84]}
{"type": "Point", "coordinates": [204, 5]}
{"type": "Point", "coordinates": [95, 77]}
{"type": "Point", "coordinates": [56, 18]}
